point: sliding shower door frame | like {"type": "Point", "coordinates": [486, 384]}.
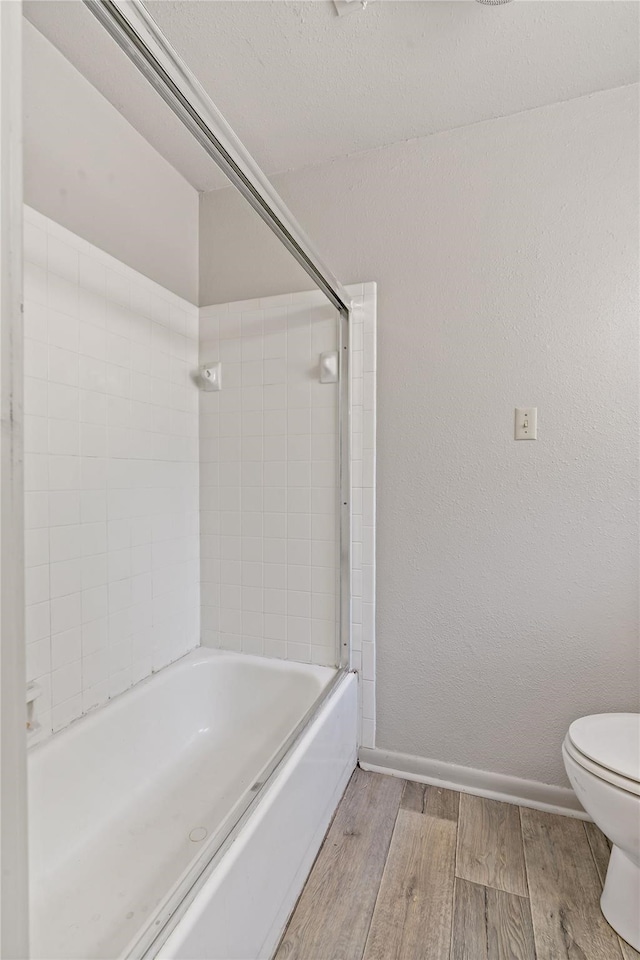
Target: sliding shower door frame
{"type": "Point", "coordinates": [138, 35]}
{"type": "Point", "coordinates": [13, 740]}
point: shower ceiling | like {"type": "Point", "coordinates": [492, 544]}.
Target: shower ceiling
{"type": "Point", "coordinates": [301, 85]}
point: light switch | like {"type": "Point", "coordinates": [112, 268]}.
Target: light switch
{"type": "Point", "coordinates": [526, 424]}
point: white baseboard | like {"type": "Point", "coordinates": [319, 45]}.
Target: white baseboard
{"type": "Point", "coordinates": [481, 783]}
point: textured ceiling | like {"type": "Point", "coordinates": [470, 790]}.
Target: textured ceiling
{"type": "Point", "coordinates": [301, 85]}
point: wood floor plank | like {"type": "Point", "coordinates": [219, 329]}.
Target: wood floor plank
{"type": "Point", "coordinates": [489, 924]}
{"type": "Point", "coordinates": [434, 801]}
{"type": "Point", "coordinates": [510, 927]}
{"type": "Point", "coordinates": [469, 940]}
{"type": "Point", "coordinates": [490, 845]}
{"type": "Point", "coordinates": [412, 917]}
{"type": "Point", "coordinates": [382, 893]}
{"type": "Point", "coordinates": [333, 914]}
{"type": "Point", "coordinates": [565, 889]}
{"type": "Point", "coordinates": [600, 848]}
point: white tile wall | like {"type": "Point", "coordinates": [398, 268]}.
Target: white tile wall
{"type": "Point", "coordinates": [269, 480]}
{"type": "Point", "coordinates": [112, 487]}
{"type": "Point", "coordinates": [111, 473]}
{"type": "Point", "coordinates": [363, 498]}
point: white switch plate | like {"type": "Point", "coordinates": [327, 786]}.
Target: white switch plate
{"type": "Point", "coordinates": [526, 423]}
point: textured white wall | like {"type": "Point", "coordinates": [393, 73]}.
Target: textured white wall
{"type": "Point", "coordinates": [506, 258]}
{"type": "Point", "coordinates": [88, 169]}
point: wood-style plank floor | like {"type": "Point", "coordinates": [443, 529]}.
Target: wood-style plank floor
{"type": "Point", "coordinates": [414, 872]}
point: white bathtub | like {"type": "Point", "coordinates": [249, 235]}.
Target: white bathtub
{"type": "Point", "coordinates": [129, 804]}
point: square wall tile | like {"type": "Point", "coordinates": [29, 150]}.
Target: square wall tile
{"type": "Point", "coordinates": [112, 454]}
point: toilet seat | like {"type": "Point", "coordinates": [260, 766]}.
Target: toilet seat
{"type": "Point", "coordinates": [630, 786]}
{"type": "Point", "coordinates": [608, 745]}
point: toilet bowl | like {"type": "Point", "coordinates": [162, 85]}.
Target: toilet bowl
{"type": "Point", "coordinates": [602, 758]}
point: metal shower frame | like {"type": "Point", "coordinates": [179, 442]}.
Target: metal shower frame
{"type": "Point", "coordinates": [138, 35]}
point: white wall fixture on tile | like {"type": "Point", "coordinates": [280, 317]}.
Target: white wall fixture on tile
{"type": "Point", "coordinates": [111, 473]}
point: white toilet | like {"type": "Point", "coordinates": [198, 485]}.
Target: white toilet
{"type": "Point", "coordinates": [602, 758]}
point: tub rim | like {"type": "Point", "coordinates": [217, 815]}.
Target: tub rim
{"type": "Point", "coordinates": [188, 661]}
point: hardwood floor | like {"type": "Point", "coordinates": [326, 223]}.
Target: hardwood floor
{"type": "Point", "coordinates": [414, 872]}
{"type": "Point", "coordinates": [334, 911]}
{"type": "Point", "coordinates": [490, 923]}
{"type": "Point", "coordinates": [490, 848]}
{"type": "Point", "coordinates": [565, 889]}
{"type": "Point", "coordinates": [416, 893]}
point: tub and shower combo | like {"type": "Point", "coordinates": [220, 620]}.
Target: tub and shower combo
{"type": "Point", "coordinates": [179, 815]}
{"type": "Point", "coordinates": [181, 819]}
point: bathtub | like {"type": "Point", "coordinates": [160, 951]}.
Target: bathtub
{"type": "Point", "coordinates": [129, 807]}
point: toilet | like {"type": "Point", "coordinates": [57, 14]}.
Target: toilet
{"type": "Point", "coordinates": [602, 757]}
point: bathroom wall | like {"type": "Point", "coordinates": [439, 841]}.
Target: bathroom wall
{"type": "Point", "coordinates": [269, 479]}
{"type": "Point", "coordinates": [89, 170]}
{"type": "Point", "coordinates": [233, 225]}
{"type": "Point", "coordinates": [506, 257]}
{"type": "Point", "coordinates": [111, 473]}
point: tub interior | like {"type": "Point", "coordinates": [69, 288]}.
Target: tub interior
{"type": "Point", "coordinates": [125, 802]}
